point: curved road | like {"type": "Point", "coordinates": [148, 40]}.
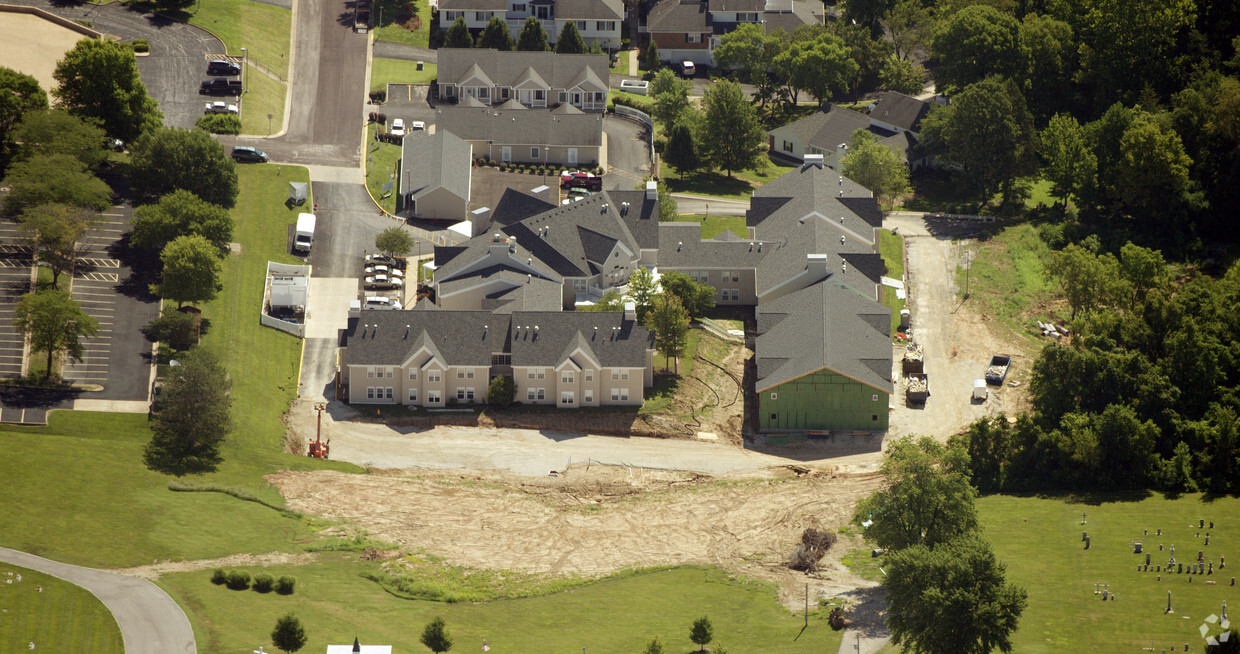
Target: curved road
{"type": "Point", "coordinates": [150, 621]}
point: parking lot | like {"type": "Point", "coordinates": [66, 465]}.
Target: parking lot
{"type": "Point", "coordinates": [408, 102]}
{"type": "Point", "coordinates": [16, 268]}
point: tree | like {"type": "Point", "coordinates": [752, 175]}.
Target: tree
{"type": "Point", "coordinates": [876, 167]}
{"type": "Point", "coordinates": [501, 390]}
{"type": "Point", "coordinates": [458, 35]}
{"type": "Point", "coordinates": [99, 79]}
{"type": "Point", "coordinates": [988, 131]}
{"type": "Point", "coordinates": [394, 242]}
{"type": "Point", "coordinates": [288, 636]}
{"type": "Point", "coordinates": [951, 599]}
{"type": "Point", "coordinates": [55, 178]}
{"type": "Point", "coordinates": [1068, 162]}
{"type": "Point", "coordinates": [169, 159]}
{"type": "Point", "coordinates": [1127, 44]}
{"type": "Point", "coordinates": [928, 499]}
{"type": "Point", "coordinates": [495, 35]}
{"type": "Point", "coordinates": [59, 132]}
{"type": "Point", "coordinates": [533, 37]}
{"type": "Point", "coordinates": [180, 329]}
{"type": "Point", "coordinates": [909, 23]}
{"type": "Point", "coordinates": [54, 322]}
{"type": "Point", "coordinates": [54, 230]}
{"type": "Point", "coordinates": [191, 416]}
{"type": "Point", "coordinates": [745, 49]}
{"type": "Point", "coordinates": [671, 96]}
{"type": "Point", "coordinates": [681, 151]}
{"type": "Point", "coordinates": [19, 94]}
{"type": "Point", "coordinates": [611, 300]}
{"type": "Point", "coordinates": [667, 204]}
{"type": "Point", "coordinates": [1085, 278]}
{"type": "Point", "coordinates": [642, 291]}
{"type": "Point", "coordinates": [1142, 268]}
{"type": "Point", "coordinates": [435, 636]}
{"type": "Point", "coordinates": [180, 213]}
{"type": "Point", "coordinates": [570, 41]}
{"type": "Point", "coordinates": [191, 270]}
{"type": "Point", "coordinates": [696, 298]}
{"type": "Point", "coordinates": [974, 43]}
{"type": "Point", "coordinates": [733, 137]}
{"type": "Point", "coordinates": [653, 647]}
{"type": "Point", "coordinates": [1054, 62]}
{"type": "Point", "coordinates": [903, 76]}
{"type": "Point", "coordinates": [651, 57]}
{"type": "Point", "coordinates": [701, 633]}
{"type": "Point", "coordinates": [868, 13]}
{"type": "Point", "coordinates": [820, 68]}
{"type": "Point", "coordinates": [669, 321]}
{"type": "Point", "coordinates": [1152, 171]}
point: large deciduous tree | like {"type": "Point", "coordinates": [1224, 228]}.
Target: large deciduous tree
{"type": "Point", "coordinates": [191, 270]}
{"type": "Point", "coordinates": [988, 131]}
{"type": "Point", "coordinates": [876, 167]}
{"type": "Point", "coordinates": [533, 37]}
{"type": "Point", "coordinates": [496, 35]}
{"type": "Point", "coordinates": [669, 321]}
{"type": "Point", "coordinates": [59, 132]}
{"type": "Point", "coordinates": [570, 41]}
{"type": "Point", "coordinates": [821, 67]}
{"type": "Point", "coordinates": [192, 417]}
{"type": "Point", "coordinates": [1068, 162]}
{"type": "Point", "coordinates": [56, 178]}
{"type": "Point", "coordinates": [642, 291]}
{"type": "Point", "coordinates": [99, 79]}
{"type": "Point", "coordinates": [734, 137]}
{"type": "Point", "coordinates": [671, 96]}
{"type": "Point", "coordinates": [180, 213]}
{"type": "Point", "coordinates": [54, 230]}
{"type": "Point", "coordinates": [54, 322]}
{"type": "Point", "coordinates": [928, 499]}
{"type": "Point", "coordinates": [1126, 45]}
{"type": "Point", "coordinates": [696, 298]}
{"type": "Point", "coordinates": [170, 159]}
{"type": "Point", "coordinates": [19, 94]}
{"type": "Point", "coordinates": [976, 42]}
{"type": "Point", "coordinates": [1085, 278]}
{"type": "Point", "coordinates": [394, 242]}
{"type": "Point", "coordinates": [903, 76]}
{"type": "Point", "coordinates": [1054, 63]}
{"type": "Point", "coordinates": [951, 599]}
{"type": "Point", "coordinates": [910, 23]}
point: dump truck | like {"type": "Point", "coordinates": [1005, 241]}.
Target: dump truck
{"type": "Point", "coordinates": [913, 360]}
{"type": "Point", "coordinates": [998, 369]}
{"type": "Point", "coordinates": [918, 390]}
{"type": "Point", "coordinates": [303, 238]}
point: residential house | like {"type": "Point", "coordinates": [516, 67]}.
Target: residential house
{"type": "Point", "coordinates": [827, 132]}
{"type": "Point", "coordinates": [689, 30]}
{"type": "Point", "coordinates": [434, 176]}
{"type": "Point", "coordinates": [896, 112]}
{"type": "Point", "coordinates": [534, 79]}
{"type": "Point", "coordinates": [598, 21]}
{"type": "Point", "coordinates": [512, 133]}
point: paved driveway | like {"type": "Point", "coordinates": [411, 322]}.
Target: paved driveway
{"type": "Point", "coordinates": [150, 621]}
{"type": "Point", "coordinates": [407, 101]}
{"type": "Point", "coordinates": [628, 153]}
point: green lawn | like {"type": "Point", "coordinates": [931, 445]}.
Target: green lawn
{"type": "Point", "coordinates": [60, 618]}
{"type": "Point", "coordinates": [263, 96]}
{"type": "Point", "coordinates": [262, 29]}
{"type": "Point", "coordinates": [619, 615]}
{"type": "Point", "coordinates": [399, 71]}
{"type": "Point", "coordinates": [411, 30]}
{"type": "Point", "coordinates": [712, 226]}
{"type": "Point", "coordinates": [740, 186]}
{"type": "Point", "coordinates": [1040, 541]}
{"type": "Point", "coordinates": [1007, 277]}
{"type": "Point", "coordinates": [773, 170]}
{"type": "Point", "coordinates": [622, 64]}
{"type": "Point", "coordinates": [891, 247]}
{"type": "Point", "coordinates": [381, 167]}
{"type": "Point", "coordinates": [659, 397]}
{"type": "Point", "coordinates": [613, 94]}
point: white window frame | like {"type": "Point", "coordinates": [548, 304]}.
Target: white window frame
{"type": "Point", "coordinates": [604, 25]}
{"type": "Point", "coordinates": [433, 376]}
{"type": "Point", "coordinates": [566, 377]}
{"type": "Point", "coordinates": [529, 394]}
{"type": "Point", "coordinates": [535, 152]}
{"type": "Point", "coordinates": [615, 395]}
{"type": "Point", "coordinates": [388, 394]}
{"type": "Point", "coordinates": [788, 146]}
{"type": "Point", "coordinates": [413, 395]}
{"type": "Point", "coordinates": [589, 374]}
{"type": "Point", "coordinates": [589, 396]}
{"type": "Point", "coordinates": [693, 38]}
{"type": "Point", "coordinates": [413, 373]}
{"type": "Point", "coordinates": [481, 16]}
{"type": "Point", "coordinates": [566, 397]}
{"type": "Point", "coordinates": [370, 392]}
{"type": "Point", "coordinates": [434, 397]}
{"type": "Point", "coordinates": [464, 393]}
{"type": "Point", "coordinates": [624, 375]}
{"type": "Point", "coordinates": [581, 25]}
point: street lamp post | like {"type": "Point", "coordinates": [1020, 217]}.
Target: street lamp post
{"type": "Point", "coordinates": [245, 62]}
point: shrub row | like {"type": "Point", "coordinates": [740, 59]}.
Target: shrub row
{"type": "Point", "coordinates": [263, 583]}
{"type": "Point", "coordinates": [626, 101]}
{"type": "Point", "coordinates": [220, 123]}
{"type": "Point", "coordinates": [536, 169]}
{"type": "Point", "coordinates": [140, 45]}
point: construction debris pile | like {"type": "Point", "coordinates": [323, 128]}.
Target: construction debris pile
{"type": "Point", "coordinates": [913, 359]}
{"type": "Point", "coordinates": [813, 546]}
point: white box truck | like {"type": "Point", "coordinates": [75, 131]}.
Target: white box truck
{"type": "Point", "coordinates": [303, 238]}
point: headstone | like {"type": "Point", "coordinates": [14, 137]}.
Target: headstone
{"type": "Point", "coordinates": [1159, 578]}
{"type": "Point", "coordinates": [1160, 547]}
{"type": "Point", "coordinates": [1201, 556]}
{"type": "Point", "coordinates": [1179, 569]}
{"type": "Point", "coordinates": [1146, 568]}
{"type": "Point", "coordinates": [1233, 581]}
{"type": "Point", "coordinates": [1212, 524]}
{"type": "Point", "coordinates": [1147, 559]}
{"type": "Point", "coordinates": [1087, 542]}
{"type": "Point", "coordinates": [1210, 570]}
{"type": "Point", "coordinates": [1136, 548]}
{"type": "Point", "coordinates": [1160, 532]}
{"type": "Point", "coordinates": [1190, 580]}
{"type": "Point", "coordinates": [1145, 532]}
{"type": "Point", "coordinates": [1104, 595]}
{"type": "Point", "coordinates": [1207, 538]}
{"type": "Point", "coordinates": [1222, 562]}
{"type": "Point", "coordinates": [1201, 524]}
{"type": "Point", "coordinates": [1084, 535]}
{"type": "Point", "coordinates": [1168, 602]}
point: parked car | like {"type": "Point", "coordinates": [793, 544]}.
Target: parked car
{"type": "Point", "coordinates": [417, 126]}
{"type": "Point", "coordinates": [578, 179]}
{"type": "Point", "coordinates": [220, 86]}
{"type": "Point", "coordinates": [398, 127]}
{"type": "Point", "coordinates": [223, 67]}
{"type": "Point", "coordinates": [579, 193]}
{"type": "Point", "coordinates": [246, 154]}
{"type": "Point", "coordinates": [219, 107]}
{"type": "Point", "coordinates": [377, 302]}
{"type": "Point", "coordinates": [689, 68]}
{"type": "Point", "coordinates": [376, 259]}
{"type": "Point", "coordinates": [375, 282]}
{"type": "Point", "coordinates": [384, 270]}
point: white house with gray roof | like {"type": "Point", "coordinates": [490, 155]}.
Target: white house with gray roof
{"type": "Point", "coordinates": [598, 21]}
{"type": "Point", "coordinates": [534, 79]}
{"type": "Point", "coordinates": [434, 176]}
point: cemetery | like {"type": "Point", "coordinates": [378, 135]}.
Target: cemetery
{"type": "Point", "coordinates": [1145, 574]}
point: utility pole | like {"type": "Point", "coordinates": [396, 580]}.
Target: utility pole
{"type": "Point", "coordinates": [807, 604]}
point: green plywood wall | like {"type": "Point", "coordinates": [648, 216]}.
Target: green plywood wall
{"type": "Point", "coordinates": [823, 400]}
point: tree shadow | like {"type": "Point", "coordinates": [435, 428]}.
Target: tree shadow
{"type": "Point", "coordinates": [28, 397]}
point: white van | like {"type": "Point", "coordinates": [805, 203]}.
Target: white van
{"type": "Point", "coordinates": [303, 237]}
{"type": "Point", "coordinates": [690, 69]}
{"type": "Point", "coordinates": [382, 303]}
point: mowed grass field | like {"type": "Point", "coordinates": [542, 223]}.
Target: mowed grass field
{"type": "Point", "coordinates": [1007, 275]}
{"type": "Point", "coordinates": [1040, 541]}
{"type": "Point", "coordinates": [614, 616]}
{"type": "Point", "coordinates": [60, 618]}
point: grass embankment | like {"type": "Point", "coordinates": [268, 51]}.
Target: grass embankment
{"type": "Point", "coordinates": [107, 509]}
{"type": "Point", "coordinates": [891, 247]}
{"type": "Point", "coordinates": [713, 226]}
{"type": "Point", "coordinates": [60, 617]}
{"type": "Point", "coordinates": [617, 615]}
{"type": "Point", "coordinates": [399, 71]}
{"type": "Point", "coordinates": [1040, 541]}
{"type": "Point", "coordinates": [622, 64]}
{"type": "Point", "coordinates": [717, 184]}
{"type": "Point", "coordinates": [382, 161]}
{"type": "Point", "coordinates": [1007, 277]}
{"type": "Point", "coordinates": [393, 24]}
{"type": "Point", "coordinates": [263, 30]}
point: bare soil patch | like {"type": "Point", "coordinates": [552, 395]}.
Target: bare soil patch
{"type": "Point", "coordinates": [154, 570]}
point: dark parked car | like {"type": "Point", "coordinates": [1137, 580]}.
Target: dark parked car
{"type": "Point", "coordinates": [223, 67]}
{"type": "Point", "coordinates": [220, 86]}
{"type": "Point", "coordinates": [244, 154]}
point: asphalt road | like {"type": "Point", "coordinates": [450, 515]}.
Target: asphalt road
{"type": "Point", "coordinates": [150, 621]}
{"type": "Point", "coordinates": [347, 225]}
{"type": "Point", "coordinates": [628, 153]}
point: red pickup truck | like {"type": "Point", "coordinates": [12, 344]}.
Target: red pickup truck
{"type": "Point", "coordinates": [576, 179]}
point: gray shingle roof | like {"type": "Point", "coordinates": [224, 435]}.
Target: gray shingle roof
{"type": "Point", "coordinates": [515, 206]}
{"type": "Point", "coordinates": [828, 129]}
{"type": "Point", "coordinates": [680, 246]}
{"type": "Point", "coordinates": [465, 338]}
{"type": "Point", "coordinates": [432, 161]}
{"type": "Point", "coordinates": [824, 326]}
{"type": "Point", "coordinates": [737, 5]}
{"type": "Point", "coordinates": [789, 15]}
{"type": "Point", "coordinates": [473, 5]}
{"type": "Point", "coordinates": [683, 16]}
{"type": "Point", "coordinates": [616, 343]}
{"type": "Point", "coordinates": [453, 261]}
{"type": "Point", "coordinates": [780, 204]}
{"type": "Point", "coordinates": [536, 296]}
{"type": "Point", "coordinates": [589, 9]}
{"type": "Point", "coordinates": [534, 127]}
{"type": "Point", "coordinates": [573, 239]}
{"type": "Point", "coordinates": [509, 68]}
{"type": "Point", "coordinates": [900, 110]}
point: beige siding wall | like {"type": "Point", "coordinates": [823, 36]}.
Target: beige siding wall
{"type": "Point", "coordinates": [740, 283]}
{"type": "Point", "coordinates": [595, 391]}
{"type": "Point", "coordinates": [441, 204]}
